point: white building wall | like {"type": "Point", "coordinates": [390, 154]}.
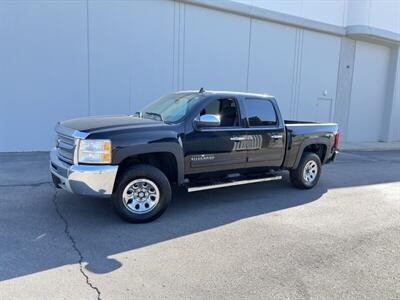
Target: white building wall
{"type": "Point", "coordinates": [327, 11]}
{"type": "Point", "coordinates": [319, 75]}
{"type": "Point", "coordinates": [215, 49]}
{"type": "Point", "coordinates": [369, 92]}
{"type": "Point", "coordinates": [68, 59]}
{"type": "Point", "coordinates": [274, 73]}
{"type": "Point", "coordinates": [131, 54]}
{"type": "Point", "coordinates": [383, 14]}
{"type": "Point", "coordinates": [43, 70]}
{"type": "Point", "coordinates": [391, 131]}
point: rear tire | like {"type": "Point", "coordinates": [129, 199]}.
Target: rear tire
{"type": "Point", "coordinates": [142, 194]}
{"type": "Point", "coordinates": [308, 172]}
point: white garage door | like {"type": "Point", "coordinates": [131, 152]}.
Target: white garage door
{"type": "Point", "coordinates": [368, 92]}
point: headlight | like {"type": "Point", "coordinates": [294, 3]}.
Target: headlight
{"type": "Point", "coordinates": [94, 151]}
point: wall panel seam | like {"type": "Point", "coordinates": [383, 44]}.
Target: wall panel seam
{"type": "Point", "coordinates": [174, 47]}
{"type": "Point", "coordinates": [249, 55]}
{"type": "Point", "coordinates": [183, 45]}
{"type": "Point", "coordinates": [88, 58]}
{"type": "Point", "coordinates": [298, 73]}
{"type": "Point", "coordinates": [346, 136]}
{"type": "Point", "coordinates": [294, 77]}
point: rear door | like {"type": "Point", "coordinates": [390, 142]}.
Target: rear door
{"type": "Point", "coordinates": [265, 133]}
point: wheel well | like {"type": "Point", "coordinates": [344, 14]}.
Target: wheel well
{"type": "Point", "coordinates": [165, 161]}
{"type": "Point", "coordinates": [319, 149]}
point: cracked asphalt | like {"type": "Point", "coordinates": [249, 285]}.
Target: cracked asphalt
{"type": "Point", "coordinates": [340, 240]}
{"type": "Point", "coordinates": [74, 246]}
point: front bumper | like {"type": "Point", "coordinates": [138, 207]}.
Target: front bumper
{"type": "Point", "coordinates": [89, 180]}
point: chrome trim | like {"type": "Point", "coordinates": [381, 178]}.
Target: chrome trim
{"type": "Point", "coordinates": [241, 182]}
{"type": "Point", "coordinates": [207, 121]}
{"type": "Point", "coordinates": [238, 138]}
{"type": "Point", "coordinates": [89, 180]}
{"type": "Point", "coordinates": [74, 136]}
{"type": "Point", "coordinates": [276, 136]}
{"type": "Point", "coordinates": [71, 132]}
{"type": "Point", "coordinates": [65, 146]}
{"type": "Point", "coordinates": [76, 150]}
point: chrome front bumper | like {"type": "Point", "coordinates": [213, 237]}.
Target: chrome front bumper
{"type": "Point", "coordinates": [90, 180]}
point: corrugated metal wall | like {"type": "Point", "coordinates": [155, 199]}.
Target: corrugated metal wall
{"type": "Point", "coordinates": [67, 59]}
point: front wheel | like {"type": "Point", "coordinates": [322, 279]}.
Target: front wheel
{"type": "Point", "coordinates": [308, 171]}
{"type": "Point", "coordinates": [142, 194]}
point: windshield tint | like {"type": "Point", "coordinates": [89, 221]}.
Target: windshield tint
{"type": "Point", "coordinates": [171, 108]}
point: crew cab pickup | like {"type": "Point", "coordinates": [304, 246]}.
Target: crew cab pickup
{"type": "Point", "coordinates": [195, 139]}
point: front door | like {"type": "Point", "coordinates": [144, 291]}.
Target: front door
{"type": "Point", "coordinates": [266, 134]}
{"type": "Point", "coordinates": [217, 148]}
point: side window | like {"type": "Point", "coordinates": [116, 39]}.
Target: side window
{"type": "Point", "coordinates": [212, 108]}
{"type": "Point", "coordinates": [226, 109]}
{"type": "Point", "coordinates": [260, 112]}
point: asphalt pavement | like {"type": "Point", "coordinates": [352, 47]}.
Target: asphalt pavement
{"type": "Point", "coordinates": [340, 240]}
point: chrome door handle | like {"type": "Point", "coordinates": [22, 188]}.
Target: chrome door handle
{"type": "Point", "coordinates": [275, 137]}
{"type": "Point", "coordinates": [238, 138]}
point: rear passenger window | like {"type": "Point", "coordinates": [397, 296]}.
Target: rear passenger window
{"type": "Point", "coordinates": [260, 112]}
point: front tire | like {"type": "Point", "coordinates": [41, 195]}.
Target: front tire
{"type": "Point", "coordinates": [308, 172]}
{"type": "Point", "coordinates": [142, 194]}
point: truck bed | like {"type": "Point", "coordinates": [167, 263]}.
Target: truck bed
{"type": "Point", "coordinates": [302, 133]}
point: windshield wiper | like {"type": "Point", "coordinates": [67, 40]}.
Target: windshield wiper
{"type": "Point", "coordinates": [154, 114]}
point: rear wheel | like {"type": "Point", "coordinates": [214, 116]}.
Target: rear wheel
{"type": "Point", "coordinates": [142, 194]}
{"type": "Point", "coordinates": [308, 171]}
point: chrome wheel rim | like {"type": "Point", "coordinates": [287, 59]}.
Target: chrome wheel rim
{"type": "Point", "coordinates": [141, 196]}
{"type": "Point", "coordinates": [310, 171]}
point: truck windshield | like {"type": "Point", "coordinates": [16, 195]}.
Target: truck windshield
{"type": "Point", "coordinates": [171, 108]}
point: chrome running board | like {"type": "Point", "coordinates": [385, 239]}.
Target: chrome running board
{"type": "Point", "coordinates": [232, 183]}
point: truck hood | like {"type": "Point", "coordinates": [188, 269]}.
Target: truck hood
{"type": "Point", "coordinates": [109, 123]}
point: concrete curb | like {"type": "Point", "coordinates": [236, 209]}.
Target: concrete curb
{"type": "Point", "coordinates": [371, 146]}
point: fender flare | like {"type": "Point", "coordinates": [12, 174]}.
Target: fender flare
{"type": "Point", "coordinates": [309, 142]}
{"type": "Point", "coordinates": [169, 147]}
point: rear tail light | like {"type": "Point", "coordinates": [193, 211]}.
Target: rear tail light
{"type": "Point", "coordinates": [337, 140]}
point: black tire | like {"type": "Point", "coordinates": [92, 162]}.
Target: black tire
{"type": "Point", "coordinates": [140, 172]}
{"type": "Point", "coordinates": [297, 175]}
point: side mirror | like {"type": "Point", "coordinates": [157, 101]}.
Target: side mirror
{"type": "Point", "coordinates": [207, 121]}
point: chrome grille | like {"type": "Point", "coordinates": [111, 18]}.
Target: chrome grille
{"type": "Point", "coordinates": [65, 148]}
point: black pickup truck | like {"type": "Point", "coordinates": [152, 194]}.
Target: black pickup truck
{"type": "Point", "coordinates": [196, 139]}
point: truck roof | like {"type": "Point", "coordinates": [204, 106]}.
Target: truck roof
{"type": "Point", "coordinates": [227, 93]}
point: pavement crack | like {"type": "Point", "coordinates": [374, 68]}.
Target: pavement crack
{"type": "Point", "coordinates": [75, 247]}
